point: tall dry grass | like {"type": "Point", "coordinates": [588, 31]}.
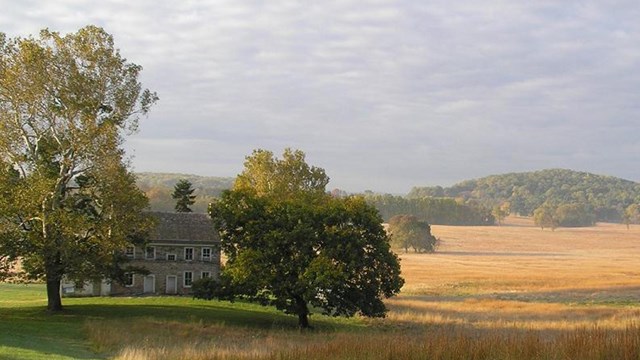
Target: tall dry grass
{"type": "Point", "coordinates": [434, 343]}
{"type": "Point", "coordinates": [509, 292]}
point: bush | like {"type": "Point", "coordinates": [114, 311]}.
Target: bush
{"type": "Point", "coordinates": [211, 288]}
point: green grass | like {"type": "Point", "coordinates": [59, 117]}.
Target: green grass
{"type": "Point", "coordinates": [27, 331]}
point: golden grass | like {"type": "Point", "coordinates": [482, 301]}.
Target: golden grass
{"type": "Point", "coordinates": [508, 292]}
{"type": "Point", "coordinates": [518, 276]}
{"type": "Point", "coordinates": [441, 343]}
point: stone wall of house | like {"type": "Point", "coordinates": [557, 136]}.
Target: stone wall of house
{"type": "Point", "coordinates": [164, 272]}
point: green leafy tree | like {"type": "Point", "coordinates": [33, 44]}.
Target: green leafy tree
{"type": "Point", "coordinates": [183, 194]}
{"type": "Point", "coordinates": [292, 245]}
{"type": "Point", "coordinates": [631, 215]}
{"type": "Point", "coordinates": [545, 216]}
{"type": "Point", "coordinates": [574, 215]}
{"type": "Point", "coordinates": [69, 202]}
{"type": "Point", "coordinates": [500, 212]}
{"type": "Point", "coordinates": [266, 175]}
{"type": "Point", "coordinates": [408, 232]}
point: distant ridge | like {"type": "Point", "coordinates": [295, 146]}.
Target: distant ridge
{"type": "Point", "coordinates": [607, 196]}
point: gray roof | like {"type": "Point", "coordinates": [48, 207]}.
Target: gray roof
{"type": "Point", "coordinates": [183, 227]}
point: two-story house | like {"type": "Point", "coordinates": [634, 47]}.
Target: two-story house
{"type": "Point", "coordinates": [182, 248]}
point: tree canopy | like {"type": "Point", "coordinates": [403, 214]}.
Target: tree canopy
{"type": "Point", "coordinates": [266, 175]}
{"type": "Point", "coordinates": [292, 245]}
{"type": "Point", "coordinates": [409, 232]}
{"type": "Point", "coordinates": [69, 203]}
{"type": "Point", "coordinates": [183, 194]}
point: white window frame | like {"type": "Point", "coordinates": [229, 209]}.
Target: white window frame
{"type": "Point", "coordinates": [133, 279]}
{"type": "Point", "coordinates": [202, 254]}
{"type": "Point", "coordinates": [192, 253]}
{"type": "Point", "coordinates": [175, 257]}
{"type": "Point", "coordinates": [146, 253]}
{"type": "Point", "coordinates": [205, 272]}
{"type": "Point", "coordinates": [130, 251]}
{"type": "Point", "coordinates": [184, 279]}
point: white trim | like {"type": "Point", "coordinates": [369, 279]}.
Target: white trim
{"type": "Point", "coordinates": [212, 244]}
{"type": "Point", "coordinates": [202, 274]}
{"type": "Point", "coordinates": [174, 256]}
{"type": "Point", "coordinates": [133, 253]}
{"type": "Point", "coordinates": [193, 253]}
{"type": "Point", "coordinates": [146, 253]}
{"type": "Point", "coordinates": [184, 279]}
{"type": "Point", "coordinates": [202, 253]}
{"type": "Point", "coordinates": [133, 279]}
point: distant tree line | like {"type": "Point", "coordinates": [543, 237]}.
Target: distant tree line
{"type": "Point", "coordinates": [598, 198]}
{"type": "Point", "coordinates": [438, 211]}
{"type": "Point", "coordinates": [159, 188]}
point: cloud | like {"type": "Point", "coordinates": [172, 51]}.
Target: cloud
{"type": "Point", "coordinates": [385, 95]}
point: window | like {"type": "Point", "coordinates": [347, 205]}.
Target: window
{"type": "Point", "coordinates": [188, 278]}
{"type": "Point", "coordinates": [128, 279]}
{"type": "Point", "coordinates": [206, 254]}
{"type": "Point", "coordinates": [171, 257]}
{"type": "Point", "coordinates": [130, 252]}
{"type": "Point", "coordinates": [188, 254]}
{"type": "Point", "coordinates": [150, 253]}
{"type": "Point", "coordinates": [205, 274]}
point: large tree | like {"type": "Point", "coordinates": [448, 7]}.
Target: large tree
{"type": "Point", "coordinates": [69, 202]}
{"type": "Point", "coordinates": [183, 194]}
{"type": "Point", "coordinates": [408, 232]}
{"type": "Point", "coordinates": [291, 244]}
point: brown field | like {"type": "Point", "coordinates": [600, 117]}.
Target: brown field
{"type": "Point", "coordinates": [519, 276]}
{"type": "Point", "coordinates": [508, 292]}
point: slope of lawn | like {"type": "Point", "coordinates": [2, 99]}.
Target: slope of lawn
{"type": "Point", "coordinates": [27, 331]}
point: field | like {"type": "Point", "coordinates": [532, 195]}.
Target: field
{"type": "Point", "coordinates": [508, 292]}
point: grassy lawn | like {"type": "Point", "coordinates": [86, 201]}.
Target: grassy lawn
{"type": "Point", "coordinates": [27, 331]}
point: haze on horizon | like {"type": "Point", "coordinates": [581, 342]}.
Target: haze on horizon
{"type": "Point", "coordinates": [384, 95]}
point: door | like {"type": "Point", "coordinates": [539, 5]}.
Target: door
{"type": "Point", "coordinates": [149, 286]}
{"type": "Point", "coordinates": [172, 284]}
{"type": "Point", "coordinates": [105, 288]}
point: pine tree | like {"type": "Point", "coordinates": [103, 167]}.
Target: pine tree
{"type": "Point", "coordinates": [183, 193]}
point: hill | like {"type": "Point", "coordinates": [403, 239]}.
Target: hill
{"type": "Point", "coordinates": [159, 186]}
{"type": "Point", "coordinates": [605, 196]}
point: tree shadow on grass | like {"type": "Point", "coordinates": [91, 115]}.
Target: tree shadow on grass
{"type": "Point", "coordinates": [34, 334]}
{"type": "Point", "coordinates": [33, 329]}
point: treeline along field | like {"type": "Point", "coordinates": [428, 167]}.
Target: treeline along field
{"type": "Point", "coordinates": [605, 197]}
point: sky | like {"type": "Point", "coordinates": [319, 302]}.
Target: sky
{"type": "Point", "coordinates": [384, 95]}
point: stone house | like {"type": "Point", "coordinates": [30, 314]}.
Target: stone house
{"type": "Point", "coordinates": [182, 248]}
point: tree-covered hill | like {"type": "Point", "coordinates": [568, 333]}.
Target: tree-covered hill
{"type": "Point", "coordinates": [605, 197]}
{"type": "Point", "coordinates": [159, 186]}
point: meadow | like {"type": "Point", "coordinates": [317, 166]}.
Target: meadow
{"type": "Point", "coordinates": [501, 292]}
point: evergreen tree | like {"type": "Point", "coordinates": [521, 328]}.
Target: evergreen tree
{"type": "Point", "coordinates": [183, 193]}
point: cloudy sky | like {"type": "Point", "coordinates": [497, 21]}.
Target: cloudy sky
{"type": "Point", "coordinates": [384, 95]}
